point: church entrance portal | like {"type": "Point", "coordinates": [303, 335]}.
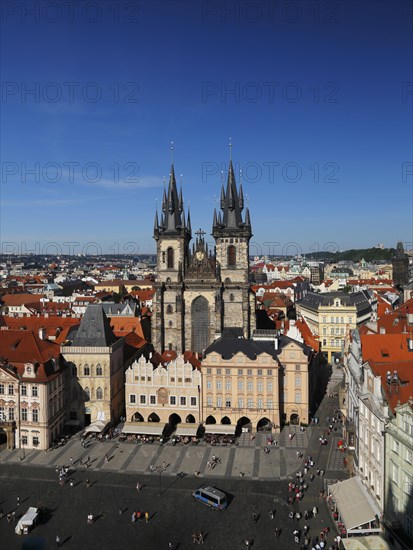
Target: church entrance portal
{"type": "Point", "coordinates": [200, 324]}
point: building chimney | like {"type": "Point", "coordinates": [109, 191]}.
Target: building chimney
{"type": "Point", "coordinates": [382, 330]}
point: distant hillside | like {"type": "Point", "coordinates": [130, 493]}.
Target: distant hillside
{"type": "Point", "coordinates": [355, 255]}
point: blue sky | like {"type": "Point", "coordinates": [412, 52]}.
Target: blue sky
{"type": "Point", "coordinates": [316, 97]}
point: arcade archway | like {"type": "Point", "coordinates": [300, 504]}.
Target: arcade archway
{"type": "Point", "coordinates": [294, 419]}
{"type": "Point", "coordinates": [264, 425]}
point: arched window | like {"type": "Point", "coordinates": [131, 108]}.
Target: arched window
{"type": "Point", "coordinates": [169, 309]}
{"type": "Point", "coordinates": [99, 393]}
{"type": "Point", "coordinates": [170, 255]}
{"type": "Point", "coordinates": [86, 370]}
{"type": "Point", "coordinates": [231, 297]}
{"type": "Point", "coordinates": [232, 256]}
{"type": "Point", "coordinates": [87, 392]}
{"type": "Point", "coordinates": [99, 370]}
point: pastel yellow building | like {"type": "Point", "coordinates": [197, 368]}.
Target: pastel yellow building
{"type": "Point", "coordinates": [331, 315]}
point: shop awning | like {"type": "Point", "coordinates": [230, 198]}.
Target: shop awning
{"type": "Point", "coordinates": [373, 542]}
{"type": "Point", "coordinates": [186, 429]}
{"type": "Point", "coordinates": [143, 428]}
{"type": "Point", "coordinates": [223, 429]}
{"type": "Point", "coordinates": [354, 504]}
{"type": "Point", "coordinates": [95, 427]}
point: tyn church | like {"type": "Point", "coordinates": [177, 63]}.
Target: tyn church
{"type": "Point", "coordinates": [201, 292]}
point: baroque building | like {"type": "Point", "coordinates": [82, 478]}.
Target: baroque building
{"type": "Point", "coordinates": [200, 292]}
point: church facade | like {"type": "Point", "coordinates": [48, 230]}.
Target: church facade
{"type": "Point", "coordinates": [201, 292]}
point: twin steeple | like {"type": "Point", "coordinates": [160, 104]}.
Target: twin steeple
{"type": "Point", "coordinates": [229, 218]}
{"type": "Point", "coordinates": [173, 220]}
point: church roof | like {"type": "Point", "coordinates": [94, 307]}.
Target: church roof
{"type": "Point", "coordinates": [94, 329]}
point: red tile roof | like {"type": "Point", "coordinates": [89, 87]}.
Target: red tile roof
{"type": "Point", "coordinates": [54, 325]}
{"type": "Point", "coordinates": [386, 348]}
{"type": "Point", "coordinates": [21, 299]}
{"type": "Point", "coordinates": [18, 347]}
{"type": "Point", "coordinates": [124, 325]}
{"type": "Point", "coordinates": [307, 335]}
{"type": "Point", "coordinates": [396, 393]}
{"type": "Point", "coordinates": [395, 321]}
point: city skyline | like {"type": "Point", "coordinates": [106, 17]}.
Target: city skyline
{"type": "Point", "coordinates": [317, 106]}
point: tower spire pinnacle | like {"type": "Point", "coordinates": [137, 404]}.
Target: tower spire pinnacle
{"type": "Point", "coordinates": [230, 149]}
{"type": "Point", "coordinates": [172, 152]}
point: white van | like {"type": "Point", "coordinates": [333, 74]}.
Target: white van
{"type": "Point", "coordinates": [27, 521]}
{"type": "Point", "coordinates": [211, 497]}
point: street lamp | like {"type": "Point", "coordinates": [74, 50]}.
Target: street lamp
{"type": "Point", "coordinates": [22, 446]}
{"type": "Point", "coordinates": [160, 470]}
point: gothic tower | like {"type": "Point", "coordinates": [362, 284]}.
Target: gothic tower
{"type": "Point", "coordinates": [400, 266]}
{"type": "Point", "coordinates": [232, 234]}
{"type": "Point", "coordinates": [172, 234]}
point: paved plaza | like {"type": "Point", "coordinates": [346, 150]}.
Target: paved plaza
{"type": "Point", "coordinates": [256, 482]}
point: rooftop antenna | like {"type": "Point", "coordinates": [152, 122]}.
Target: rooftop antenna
{"type": "Point", "coordinates": [172, 152]}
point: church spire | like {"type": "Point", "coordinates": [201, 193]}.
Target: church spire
{"type": "Point", "coordinates": [188, 223]}
{"type": "Point", "coordinates": [156, 224]}
{"type": "Point", "coordinates": [215, 221]}
{"type": "Point", "coordinates": [241, 197]}
{"type": "Point", "coordinates": [229, 218]}
{"type": "Point", "coordinates": [222, 205]}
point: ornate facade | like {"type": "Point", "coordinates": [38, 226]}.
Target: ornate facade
{"type": "Point", "coordinates": [199, 292]}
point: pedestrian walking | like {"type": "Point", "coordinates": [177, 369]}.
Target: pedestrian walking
{"type": "Point", "coordinates": [138, 487]}
{"type": "Point", "coordinates": [254, 518]}
{"type": "Point", "coordinates": [271, 514]}
{"type": "Point", "coordinates": [291, 516]}
{"type": "Point", "coordinates": [277, 532]}
{"type": "Point", "coordinates": [87, 483]}
{"type": "Point", "coordinates": [57, 541]}
{"type": "Point", "coordinates": [106, 459]}
{"type": "Point", "coordinates": [315, 511]}
{"type": "Point", "coordinates": [18, 501]}
{"type": "Point", "coordinates": [247, 543]}
{"type": "Point", "coordinates": [147, 517]}
{"type": "Point", "coordinates": [71, 483]}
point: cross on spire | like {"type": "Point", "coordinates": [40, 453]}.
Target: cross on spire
{"type": "Point", "coordinates": [200, 233]}
{"type": "Point", "coordinates": [172, 152]}
{"type": "Point", "coordinates": [230, 149]}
